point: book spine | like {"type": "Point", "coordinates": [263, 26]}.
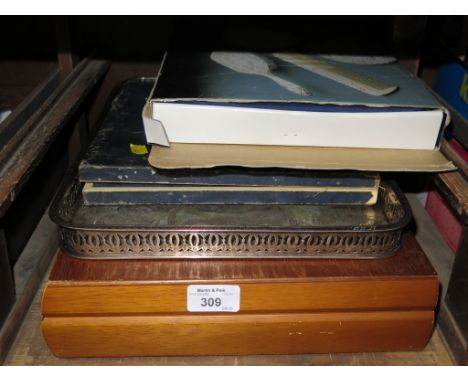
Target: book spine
{"type": "Point", "coordinates": [148, 175]}
{"type": "Point", "coordinates": [96, 197]}
{"type": "Point", "coordinates": [444, 218]}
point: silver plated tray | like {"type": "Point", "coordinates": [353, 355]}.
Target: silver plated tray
{"type": "Point", "coordinates": [230, 231]}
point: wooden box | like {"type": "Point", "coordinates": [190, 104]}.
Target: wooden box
{"type": "Point", "coordinates": [122, 308]}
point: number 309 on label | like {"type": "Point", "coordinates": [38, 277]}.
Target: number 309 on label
{"type": "Point", "coordinates": [213, 298]}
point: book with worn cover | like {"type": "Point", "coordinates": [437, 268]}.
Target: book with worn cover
{"type": "Point", "coordinates": [112, 159]}
{"type": "Point", "coordinates": [320, 193]}
{"type": "Point", "coordinates": [290, 100]}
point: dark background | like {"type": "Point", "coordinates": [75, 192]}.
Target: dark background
{"type": "Point", "coordinates": [146, 37]}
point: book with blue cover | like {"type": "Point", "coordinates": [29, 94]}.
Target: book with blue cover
{"type": "Point", "coordinates": [135, 194]}
{"type": "Point", "coordinates": [290, 99]}
{"type": "Point", "coordinates": [452, 86]}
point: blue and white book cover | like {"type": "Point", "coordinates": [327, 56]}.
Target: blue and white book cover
{"type": "Point", "coordinates": [252, 77]}
{"type": "Point", "coordinates": [251, 98]}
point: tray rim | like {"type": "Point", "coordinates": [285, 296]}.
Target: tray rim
{"type": "Point", "coordinates": [146, 242]}
{"type": "Point", "coordinates": [73, 178]}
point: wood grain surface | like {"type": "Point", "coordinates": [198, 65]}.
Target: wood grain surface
{"type": "Point", "coordinates": [67, 99]}
{"type": "Point", "coordinates": [31, 349]}
{"type": "Point", "coordinates": [237, 334]}
{"type": "Point", "coordinates": [410, 261]}
{"type": "Point", "coordinates": [404, 281]}
{"type": "Point", "coordinates": [330, 295]}
{"type": "Point", "coordinates": [139, 307]}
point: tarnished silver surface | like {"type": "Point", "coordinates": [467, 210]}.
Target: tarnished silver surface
{"type": "Point", "coordinates": [226, 231]}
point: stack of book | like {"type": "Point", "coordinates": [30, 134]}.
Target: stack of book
{"type": "Point", "coordinates": [220, 211]}
{"type": "Point", "coordinates": [258, 176]}
{"type": "Point", "coordinates": [330, 113]}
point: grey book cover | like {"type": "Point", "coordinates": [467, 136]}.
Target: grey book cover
{"type": "Point", "coordinates": [208, 77]}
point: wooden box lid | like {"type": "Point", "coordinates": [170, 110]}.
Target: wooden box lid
{"type": "Point", "coordinates": [403, 281]}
